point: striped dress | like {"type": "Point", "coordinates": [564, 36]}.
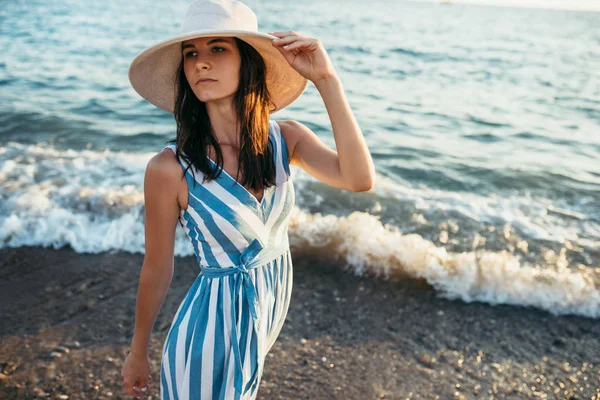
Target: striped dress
{"type": "Point", "coordinates": [233, 312]}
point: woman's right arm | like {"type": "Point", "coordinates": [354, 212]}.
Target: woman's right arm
{"type": "Point", "coordinates": [161, 217]}
{"type": "Point", "coordinates": [162, 176]}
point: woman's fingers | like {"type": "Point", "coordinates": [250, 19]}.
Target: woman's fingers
{"type": "Point", "coordinates": [135, 376]}
{"type": "Point", "coordinates": [285, 40]}
{"type": "Point", "coordinates": [132, 389]}
{"type": "Point", "coordinates": [143, 384]}
{"type": "Point", "coordinates": [295, 45]}
{"type": "Point", "coordinates": [292, 44]}
{"type": "Point", "coordinates": [137, 388]}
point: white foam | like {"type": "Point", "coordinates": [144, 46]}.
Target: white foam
{"type": "Point", "coordinates": [93, 201]}
{"type": "Point", "coordinates": [369, 247]}
{"type": "Point", "coordinates": [535, 217]}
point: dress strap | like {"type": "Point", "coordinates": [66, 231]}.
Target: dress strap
{"type": "Point", "coordinates": [281, 146]}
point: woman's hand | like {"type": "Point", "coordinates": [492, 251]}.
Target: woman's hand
{"type": "Point", "coordinates": [136, 374]}
{"type": "Point", "coordinates": [305, 54]}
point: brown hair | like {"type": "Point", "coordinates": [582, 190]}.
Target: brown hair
{"type": "Point", "coordinates": [252, 100]}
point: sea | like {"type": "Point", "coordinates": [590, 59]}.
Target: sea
{"type": "Point", "coordinates": [483, 123]}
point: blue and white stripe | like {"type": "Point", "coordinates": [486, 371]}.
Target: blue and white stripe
{"type": "Point", "coordinates": [233, 312]}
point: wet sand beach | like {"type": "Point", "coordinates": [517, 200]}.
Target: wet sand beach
{"type": "Point", "coordinates": [67, 321]}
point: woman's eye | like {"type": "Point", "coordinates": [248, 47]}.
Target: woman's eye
{"type": "Point", "coordinates": [191, 53]}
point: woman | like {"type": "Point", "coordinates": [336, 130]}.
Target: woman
{"type": "Point", "coordinates": [228, 79]}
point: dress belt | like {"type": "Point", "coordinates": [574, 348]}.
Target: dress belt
{"type": "Point", "coordinates": [251, 258]}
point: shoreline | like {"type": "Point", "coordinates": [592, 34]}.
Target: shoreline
{"type": "Point", "coordinates": [68, 320]}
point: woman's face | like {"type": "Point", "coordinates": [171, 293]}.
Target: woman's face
{"type": "Point", "coordinates": [217, 58]}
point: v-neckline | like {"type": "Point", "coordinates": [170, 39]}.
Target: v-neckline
{"type": "Point", "coordinates": [260, 203]}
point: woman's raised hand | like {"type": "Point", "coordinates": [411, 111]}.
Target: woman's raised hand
{"type": "Point", "coordinates": [305, 54]}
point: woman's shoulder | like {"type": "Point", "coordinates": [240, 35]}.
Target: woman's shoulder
{"type": "Point", "coordinates": [164, 166]}
{"type": "Point", "coordinates": [162, 186]}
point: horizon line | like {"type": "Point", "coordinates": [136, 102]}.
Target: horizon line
{"type": "Point", "coordinates": [567, 6]}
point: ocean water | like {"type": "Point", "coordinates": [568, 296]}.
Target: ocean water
{"type": "Point", "coordinates": [483, 122]}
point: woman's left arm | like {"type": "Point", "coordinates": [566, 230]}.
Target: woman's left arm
{"type": "Point", "coordinates": [351, 167]}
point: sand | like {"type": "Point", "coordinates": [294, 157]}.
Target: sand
{"type": "Point", "coordinates": [67, 321]}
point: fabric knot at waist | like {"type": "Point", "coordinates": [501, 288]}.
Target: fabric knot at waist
{"type": "Point", "coordinates": [252, 257]}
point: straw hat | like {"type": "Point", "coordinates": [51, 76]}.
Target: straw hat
{"type": "Point", "coordinates": [152, 72]}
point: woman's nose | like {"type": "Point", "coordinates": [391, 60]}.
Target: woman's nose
{"type": "Point", "coordinates": [201, 63]}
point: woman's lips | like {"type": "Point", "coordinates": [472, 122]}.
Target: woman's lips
{"type": "Point", "coordinates": [203, 81]}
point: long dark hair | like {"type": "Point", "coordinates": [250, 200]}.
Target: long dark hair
{"type": "Point", "coordinates": [251, 101]}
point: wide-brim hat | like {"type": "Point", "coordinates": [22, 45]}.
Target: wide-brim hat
{"type": "Point", "coordinates": [152, 72]}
